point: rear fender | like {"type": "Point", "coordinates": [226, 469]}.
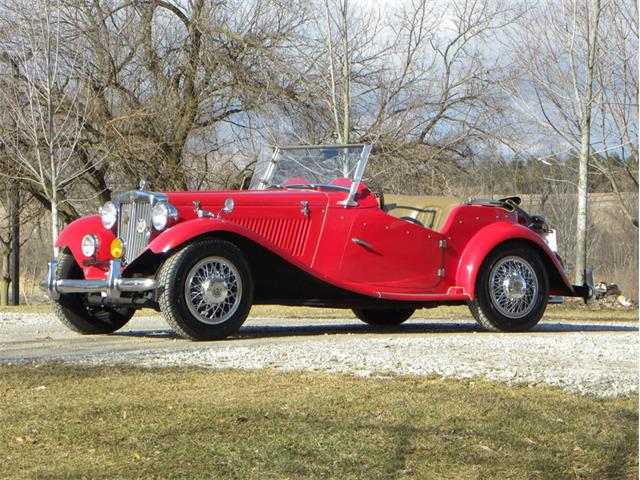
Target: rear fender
{"type": "Point", "coordinates": [488, 238]}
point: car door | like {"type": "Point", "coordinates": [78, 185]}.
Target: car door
{"type": "Point", "coordinates": [385, 250]}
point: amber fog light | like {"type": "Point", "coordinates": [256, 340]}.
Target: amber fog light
{"type": "Point", "coordinates": [89, 245]}
{"type": "Point", "coordinates": [116, 248]}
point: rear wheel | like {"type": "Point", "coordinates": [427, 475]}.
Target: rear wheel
{"type": "Point", "coordinates": [206, 290]}
{"type": "Point", "coordinates": [512, 289]}
{"type": "Point", "coordinates": [79, 317]}
{"type": "Point", "coordinates": [384, 316]}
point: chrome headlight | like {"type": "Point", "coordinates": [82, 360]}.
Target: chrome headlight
{"type": "Point", "coordinates": [163, 215]}
{"type": "Point", "coordinates": [89, 245]}
{"type": "Point", "coordinates": [109, 215]}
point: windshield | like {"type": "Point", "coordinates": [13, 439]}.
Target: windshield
{"type": "Point", "coordinates": [311, 166]}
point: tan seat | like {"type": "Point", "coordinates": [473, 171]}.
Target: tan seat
{"type": "Point", "coordinates": [429, 211]}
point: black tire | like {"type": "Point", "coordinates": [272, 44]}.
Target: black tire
{"type": "Point", "coordinates": [180, 312]}
{"type": "Point", "coordinates": [384, 316]}
{"type": "Point", "coordinates": [79, 317]}
{"type": "Point", "coordinates": [492, 305]}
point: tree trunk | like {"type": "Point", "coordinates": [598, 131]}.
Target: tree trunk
{"type": "Point", "coordinates": [585, 146]}
{"type": "Point", "coordinates": [54, 221]}
{"type": "Point", "coordinates": [346, 74]}
{"type": "Point", "coordinates": [332, 72]}
{"type": "Point", "coordinates": [581, 228]}
{"type": "Point", "coordinates": [5, 279]}
{"type": "Point", "coordinates": [15, 245]}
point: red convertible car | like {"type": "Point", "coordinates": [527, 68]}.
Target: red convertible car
{"type": "Point", "coordinates": [308, 231]}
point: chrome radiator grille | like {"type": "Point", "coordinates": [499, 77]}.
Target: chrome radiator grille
{"type": "Point", "coordinates": [134, 227]}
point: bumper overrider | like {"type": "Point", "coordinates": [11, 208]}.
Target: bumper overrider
{"type": "Point", "coordinates": [588, 290]}
{"type": "Point", "coordinates": [111, 287]}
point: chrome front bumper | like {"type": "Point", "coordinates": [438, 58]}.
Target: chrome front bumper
{"type": "Point", "coordinates": [110, 287]}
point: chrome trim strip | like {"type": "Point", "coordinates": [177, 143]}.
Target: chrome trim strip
{"type": "Point", "coordinates": [424, 295]}
{"type": "Point", "coordinates": [317, 147]}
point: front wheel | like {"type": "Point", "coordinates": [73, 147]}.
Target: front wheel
{"type": "Point", "coordinates": [206, 290]}
{"type": "Point", "coordinates": [384, 316]}
{"type": "Point", "coordinates": [72, 310]}
{"type": "Point", "coordinates": [512, 289]}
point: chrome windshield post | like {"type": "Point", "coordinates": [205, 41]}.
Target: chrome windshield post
{"type": "Point", "coordinates": [357, 178]}
{"type": "Point", "coordinates": [263, 183]}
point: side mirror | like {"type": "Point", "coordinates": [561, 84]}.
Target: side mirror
{"type": "Point", "coordinates": [228, 206]}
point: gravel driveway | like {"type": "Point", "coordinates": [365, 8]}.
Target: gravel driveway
{"type": "Point", "coordinates": [599, 358]}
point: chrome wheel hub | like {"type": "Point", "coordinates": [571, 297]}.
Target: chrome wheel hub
{"type": "Point", "coordinates": [213, 290]}
{"type": "Point", "coordinates": [513, 287]}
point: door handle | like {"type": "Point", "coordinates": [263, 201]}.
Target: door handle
{"type": "Point", "coordinates": [362, 243]}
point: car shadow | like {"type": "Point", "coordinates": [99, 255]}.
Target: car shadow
{"type": "Point", "coordinates": [265, 331]}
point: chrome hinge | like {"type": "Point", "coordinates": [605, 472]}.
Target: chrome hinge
{"type": "Point", "coordinates": [199, 212]}
{"type": "Point", "coordinates": [442, 243]}
{"type": "Point", "coordinates": [441, 272]}
{"type": "Point", "coordinates": [305, 208]}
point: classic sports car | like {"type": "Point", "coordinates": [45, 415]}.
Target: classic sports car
{"type": "Point", "coordinates": [308, 231]}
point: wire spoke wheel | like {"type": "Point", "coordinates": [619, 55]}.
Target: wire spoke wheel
{"type": "Point", "coordinates": [206, 289]}
{"type": "Point", "coordinates": [213, 290]}
{"type": "Point", "coordinates": [513, 287]}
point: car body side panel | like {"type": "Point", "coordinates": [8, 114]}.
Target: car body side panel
{"type": "Point", "coordinates": [394, 259]}
{"type": "Point", "coordinates": [381, 249]}
{"type": "Point", "coordinates": [190, 229]}
{"type": "Point", "coordinates": [327, 264]}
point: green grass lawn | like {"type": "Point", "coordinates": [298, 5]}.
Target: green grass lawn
{"type": "Point", "coordinates": [73, 422]}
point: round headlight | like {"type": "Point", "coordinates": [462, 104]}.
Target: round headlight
{"type": "Point", "coordinates": [163, 215]}
{"type": "Point", "coordinates": [89, 245]}
{"type": "Point", "coordinates": [109, 215]}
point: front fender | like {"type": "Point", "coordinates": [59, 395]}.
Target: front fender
{"type": "Point", "coordinates": [488, 238]}
{"type": "Point", "coordinates": [71, 237]}
{"type": "Point", "coordinates": [185, 231]}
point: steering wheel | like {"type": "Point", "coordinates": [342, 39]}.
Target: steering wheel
{"type": "Point", "coordinates": [412, 220]}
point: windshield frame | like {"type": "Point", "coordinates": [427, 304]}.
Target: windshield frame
{"type": "Point", "coordinates": [264, 182]}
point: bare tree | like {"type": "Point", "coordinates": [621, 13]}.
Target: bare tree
{"type": "Point", "coordinates": [43, 106]}
{"type": "Point", "coordinates": [617, 105]}
{"type": "Point", "coordinates": [558, 52]}
{"type": "Point", "coordinates": [337, 25]}
{"type": "Point", "coordinates": [586, 107]}
{"type": "Point", "coordinates": [414, 80]}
